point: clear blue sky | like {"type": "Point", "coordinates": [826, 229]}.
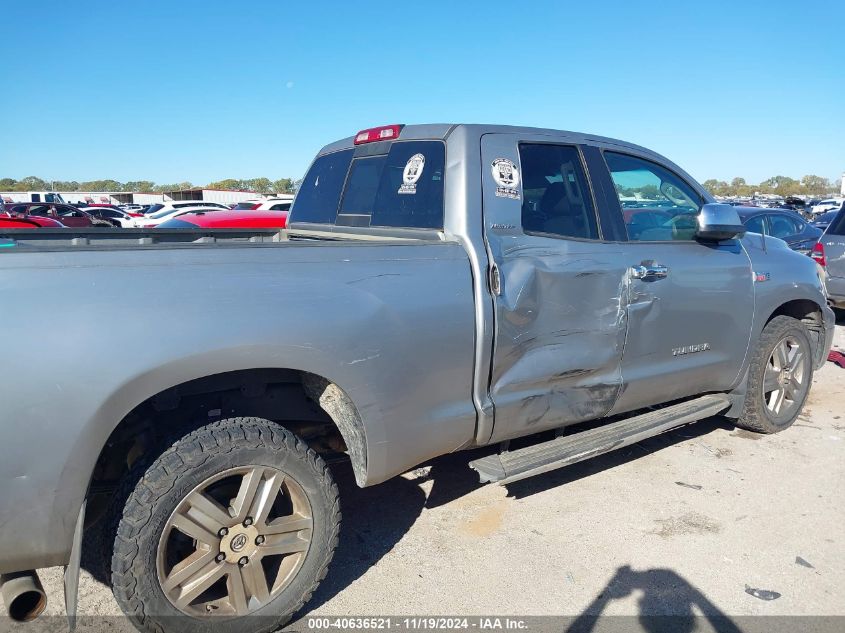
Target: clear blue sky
{"type": "Point", "coordinates": [199, 91]}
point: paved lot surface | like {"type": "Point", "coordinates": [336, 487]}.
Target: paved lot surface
{"type": "Point", "coordinates": [684, 522]}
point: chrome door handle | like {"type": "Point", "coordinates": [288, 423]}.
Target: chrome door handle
{"type": "Point", "coordinates": [650, 271]}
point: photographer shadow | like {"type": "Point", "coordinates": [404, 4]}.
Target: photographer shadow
{"type": "Point", "coordinates": [667, 605]}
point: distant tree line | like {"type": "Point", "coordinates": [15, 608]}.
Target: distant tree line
{"type": "Point", "coordinates": [780, 185]}
{"type": "Point", "coordinates": [258, 185]}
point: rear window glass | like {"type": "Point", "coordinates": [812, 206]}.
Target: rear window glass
{"type": "Point", "coordinates": [318, 196]}
{"type": "Point", "coordinates": [837, 227]}
{"type": "Point", "coordinates": [401, 189]}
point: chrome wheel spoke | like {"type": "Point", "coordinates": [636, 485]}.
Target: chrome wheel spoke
{"type": "Point", "coordinates": [289, 543]}
{"type": "Point", "coordinates": [255, 582]}
{"type": "Point", "coordinates": [184, 570]}
{"type": "Point", "coordinates": [781, 355]}
{"type": "Point", "coordinates": [237, 592]}
{"type": "Point", "coordinates": [199, 582]}
{"type": "Point", "coordinates": [265, 496]}
{"type": "Point", "coordinates": [189, 527]}
{"type": "Point", "coordinates": [788, 391]}
{"type": "Point", "coordinates": [770, 379]}
{"type": "Point", "coordinates": [283, 525]}
{"type": "Point", "coordinates": [242, 504]}
{"type": "Point", "coordinates": [776, 401]}
{"type": "Point", "coordinates": [208, 513]}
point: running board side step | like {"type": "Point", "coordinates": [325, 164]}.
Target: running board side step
{"type": "Point", "coordinates": [540, 458]}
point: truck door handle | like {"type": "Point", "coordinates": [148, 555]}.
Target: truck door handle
{"type": "Point", "coordinates": [649, 271]}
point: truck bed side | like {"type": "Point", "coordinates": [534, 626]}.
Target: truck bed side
{"type": "Point", "coordinates": [391, 323]}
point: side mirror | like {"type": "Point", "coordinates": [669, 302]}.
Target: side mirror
{"type": "Point", "coordinates": [718, 222]}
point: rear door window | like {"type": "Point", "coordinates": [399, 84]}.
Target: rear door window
{"type": "Point", "coordinates": [557, 198]}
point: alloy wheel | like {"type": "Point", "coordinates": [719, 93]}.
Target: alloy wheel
{"type": "Point", "coordinates": [785, 378]}
{"type": "Point", "coordinates": [234, 542]}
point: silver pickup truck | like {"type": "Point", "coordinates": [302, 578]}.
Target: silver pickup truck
{"type": "Point", "coordinates": [441, 287]}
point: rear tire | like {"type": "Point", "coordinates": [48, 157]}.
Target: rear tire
{"type": "Point", "coordinates": [188, 546]}
{"type": "Point", "coordinates": [779, 377]}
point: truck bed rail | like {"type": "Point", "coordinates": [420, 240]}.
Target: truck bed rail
{"type": "Point", "coordinates": [51, 239]}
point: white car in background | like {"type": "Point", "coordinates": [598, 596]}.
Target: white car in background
{"type": "Point", "coordinates": [169, 212]}
{"type": "Point", "coordinates": [110, 214]}
{"type": "Point", "coordinates": [182, 204]}
{"type": "Point", "coordinates": [276, 203]}
{"type": "Point", "coordinates": [831, 204]}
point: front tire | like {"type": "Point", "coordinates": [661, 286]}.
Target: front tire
{"type": "Point", "coordinates": [779, 377]}
{"type": "Point", "coordinates": [232, 527]}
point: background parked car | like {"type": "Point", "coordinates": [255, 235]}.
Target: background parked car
{"type": "Point", "coordinates": [155, 208]}
{"type": "Point", "coordinates": [829, 252]}
{"type": "Point", "coordinates": [29, 223]}
{"type": "Point", "coordinates": [278, 203]}
{"type": "Point", "coordinates": [831, 204]}
{"type": "Point", "coordinates": [154, 219]}
{"type": "Point", "coordinates": [133, 209]}
{"type": "Point", "coordinates": [234, 219]}
{"type": "Point", "coordinates": [787, 225]}
{"type": "Point", "coordinates": [823, 220]}
{"type": "Point", "coordinates": [66, 214]}
{"type": "Point", "coordinates": [112, 215]}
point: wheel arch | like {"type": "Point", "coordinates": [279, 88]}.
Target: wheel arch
{"type": "Point", "coordinates": [311, 405]}
{"type": "Point", "coordinates": [811, 314]}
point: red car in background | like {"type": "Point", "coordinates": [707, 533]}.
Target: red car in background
{"type": "Point", "coordinates": [65, 214]}
{"type": "Point", "coordinates": [234, 219]}
{"type": "Point", "coordinates": [29, 223]}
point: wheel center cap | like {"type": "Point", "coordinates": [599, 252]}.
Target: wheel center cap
{"type": "Point", "coordinates": [239, 542]}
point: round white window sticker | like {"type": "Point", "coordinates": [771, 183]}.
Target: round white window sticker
{"type": "Point", "coordinates": [413, 169]}
{"type": "Point", "coordinates": [505, 173]}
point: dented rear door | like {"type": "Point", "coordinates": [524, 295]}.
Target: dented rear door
{"type": "Point", "coordinates": [558, 288]}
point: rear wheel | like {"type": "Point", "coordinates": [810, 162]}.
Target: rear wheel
{"type": "Point", "coordinates": [779, 377]}
{"type": "Point", "coordinates": [232, 527]}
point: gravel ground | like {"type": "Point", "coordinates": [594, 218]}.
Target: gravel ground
{"type": "Point", "coordinates": [689, 521]}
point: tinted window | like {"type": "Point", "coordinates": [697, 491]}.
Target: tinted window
{"type": "Point", "coordinates": [360, 194]}
{"type": "Point", "coordinates": [783, 226]}
{"type": "Point", "coordinates": [410, 192]}
{"type": "Point", "coordinates": [401, 189]}
{"type": "Point", "coordinates": [556, 198]}
{"type": "Point", "coordinates": [837, 227]}
{"type": "Point", "coordinates": [285, 206]}
{"type": "Point", "coordinates": [318, 197]}
{"type": "Point", "coordinates": [656, 204]}
{"type": "Point", "coordinates": [757, 224]}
